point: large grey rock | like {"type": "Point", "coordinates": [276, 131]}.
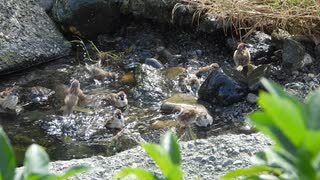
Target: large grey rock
{"type": "Point", "coordinates": [292, 55]}
{"type": "Point", "coordinates": [27, 36]}
{"type": "Point", "coordinates": [46, 4]}
{"type": "Point", "coordinates": [76, 16]}
{"type": "Point", "coordinates": [204, 158]}
{"type": "Point", "coordinates": [223, 88]}
{"type": "Point", "coordinates": [87, 18]}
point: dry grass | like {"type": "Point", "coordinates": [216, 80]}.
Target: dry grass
{"type": "Point", "coordinates": [245, 16]}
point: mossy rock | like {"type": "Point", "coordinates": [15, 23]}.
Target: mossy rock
{"type": "Point", "coordinates": [181, 100]}
{"type": "Point", "coordinates": [173, 72]}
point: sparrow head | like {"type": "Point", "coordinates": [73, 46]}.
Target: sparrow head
{"type": "Point", "coordinates": [75, 86]}
{"type": "Point", "coordinates": [241, 47]}
{"type": "Point", "coordinates": [121, 96]}
{"type": "Point", "coordinates": [118, 115]}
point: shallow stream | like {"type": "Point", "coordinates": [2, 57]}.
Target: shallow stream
{"type": "Point", "coordinates": [83, 134]}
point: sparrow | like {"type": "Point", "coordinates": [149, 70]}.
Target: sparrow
{"type": "Point", "coordinates": [10, 101]}
{"type": "Point", "coordinates": [119, 99]}
{"type": "Point", "coordinates": [194, 84]}
{"type": "Point", "coordinates": [100, 74]}
{"type": "Point", "coordinates": [74, 93]}
{"type": "Point", "coordinates": [241, 56]}
{"type": "Point", "coordinates": [206, 69]}
{"type": "Point", "coordinates": [118, 120]}
{"type": "Point", "coordinates": [204, 120]}
{"type": "Point", "coordinates": [183, 83]}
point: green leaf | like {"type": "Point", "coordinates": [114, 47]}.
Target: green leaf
{"type": "Point", "coordinates": [276, 159]}
{"type": "Point", "coordinates": [41, 177]}
{"type": "Point", "coordinates": [304, 165]}
{"type": "Point", "coordinates": [175, 174]}
{"type": "Point", "coordinates": [265, 124]}
{"type": "Point", "coordinates": [286, 115]}
{"type": "Point", "coordinates": [312, 111]}
{"type": "Point", "coordinates": [36, 161]}
{"type": "Point", "coordinates": [74, 171]}
{"type": "Point", "coordinates": [309, 143]}
{"type": "Point", "coordinates": [277, 90]}
{"type": "Point", "coordinates": [160, 156]}
{"type": "Point", "coordinates": [7, 158]}
{"type": "Point", "coordinates": [170, 144]}
{"type": "Point", "coordinates": [138, 173]}
{"type": "Point", "coordinates": [253, 170]}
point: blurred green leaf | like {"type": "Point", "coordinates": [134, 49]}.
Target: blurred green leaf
{"type": "Point", "coordinates": [312, 111]}
{"type": "Point", "coordinates": [276, 90]}
{"type": "Point", "coordinates": [36, 161]}
{"type": "Point", "coordinates": [264, 123]}
{"type": "Point", "coordinates": [74, 171]}
{"type": "Point", "coordinates": [7, 158]}
{"type": "Point", "coordinates": [276, 159]}
{"type": "Point", "coordinates": [304, 165]}
{"type": "Point", "coordinates": [170, 144]}
{"type": "Point", "coordinates": [250, 171]}
{"type": "Point", "coordinates": [175, 174]}
{"type": "Point", "coordinates": [286, 115]}
{"type": "Point", "coordinates": [160, 156]}
{"type": "Point", "coordinates": [41, 177]}
{"type": "Point", "coordinates": [138, 173]}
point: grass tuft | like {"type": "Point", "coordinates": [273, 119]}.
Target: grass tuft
{"type": "Point", "coordinates": [246, 16]}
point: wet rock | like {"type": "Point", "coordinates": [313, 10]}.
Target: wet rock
{"type": "Point", "coordinates": [292, 55]}
{"type": "Point", "coordinates": [167, 57]}
{"type": "Point", "coordinates": [154, 63]}
{"type": "Point", "coordinates": [151, 86]}
{"type": "Point", "coordinates": [252, 98]}
{"type": "Point", "coordinates": [126, 140]}
{"type": "Point", "coordinates": [87, 18]}
{"type": "Point", "coordinates": [222, 89]}
{"type": "Point", "coordinates": [182, 100]}
{"type": "Point", "coordinates": [317, 52]}
{"type": "Point", "coordinates": [46, 4]}
{"type": "Point", "coordinates": [164, 124]}
{"type": "Point", "coordinates": [260, 45]}
{"type": "Point", "coordinates": [173, 72]}
{"type": "Point", "coordinates": [279, 36]}
{"type": "Point", "coordinates": [28, 36]}
{"type": "Point", "coordinates": [199, 159]}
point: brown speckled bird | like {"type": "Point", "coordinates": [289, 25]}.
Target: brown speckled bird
{"type": "Point", "coordinates": [206, 69]}
{"type": "Point", "coordinates": [9, 101]}
{"type": "Point", "coordinates": [194, 84]}
{"type": "Point", "coordinates": [100, 74]}
{"type": "Point", "coordinates": [241, 56]}
{"type": "Point", "coordinates": [74, 93]}
{"type": "Point", "coordinates": [119, 99]}
{"type": "Point", "coordinates": [118, 120]}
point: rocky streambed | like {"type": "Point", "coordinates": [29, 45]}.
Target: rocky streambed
{"type": "Point", "coordinates": [148, 59]}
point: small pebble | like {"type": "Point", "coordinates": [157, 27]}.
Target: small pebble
{"type": "Point", "coordinates": [237, 162]}
{"type": "Point", "coordinates": [311, 75]}
{"type": "Point", "coordinates": [252, 98]}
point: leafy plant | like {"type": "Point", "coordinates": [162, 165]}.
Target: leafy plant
{"type": "Point", "coordinates": [35, 163]}
{"type": "Point", "coordinates": [294, 127]}
{"type": "Point", "coordinates": [166, 155]}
